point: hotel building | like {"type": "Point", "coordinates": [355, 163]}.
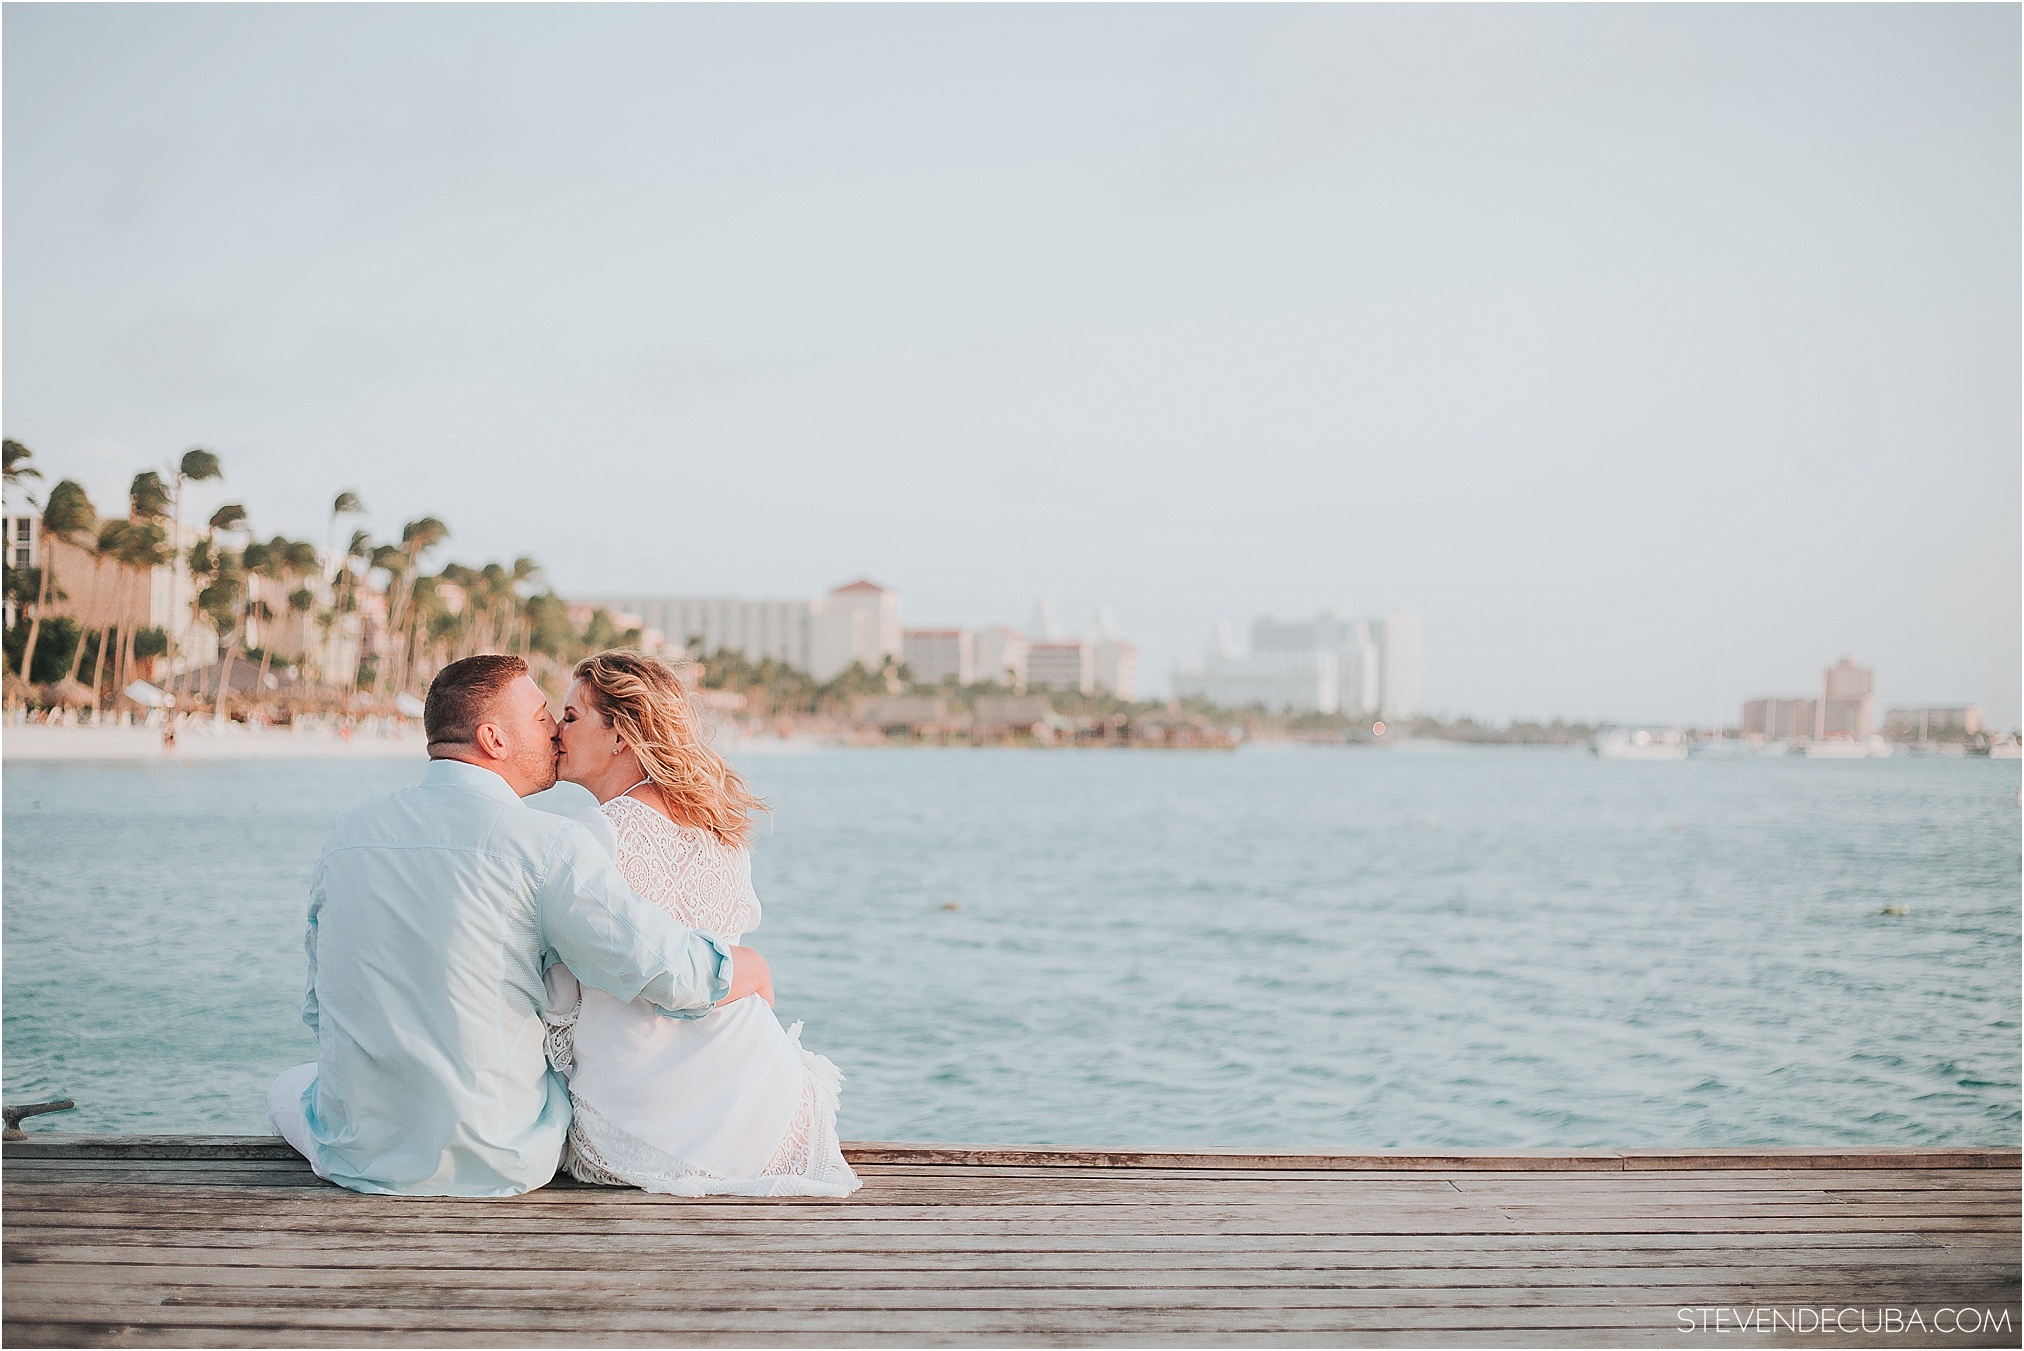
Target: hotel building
{"type": "Point", "coordinates": [856, 623]}
{"type": "Point", "coordinates": [1002, 654]}
{"type": "Point", "coordinates": [1061, 664]}
{"type": "Point", "coordinates": [1332, 663]}
{"type": "Point", "coordinates": [939, 656]}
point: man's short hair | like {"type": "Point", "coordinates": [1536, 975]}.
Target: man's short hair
{"type": "Point", "coordinates": [462, 695]}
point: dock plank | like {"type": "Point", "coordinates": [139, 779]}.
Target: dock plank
{"type": "Point", "coordinates": [221, 1241]}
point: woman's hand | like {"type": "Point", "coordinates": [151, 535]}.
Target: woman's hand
{"type": "Point", "coordinates": [749, 976]}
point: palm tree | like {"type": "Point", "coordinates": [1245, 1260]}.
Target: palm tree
{"type": "Point", "coordinates": [526, 576]}
{"type": "Point", "coordinates": [17, 467]}
{"type": "Point", "coordinates": [393, 561]}
{"type": "Point", "coordinates": [344, 598]}
{"type": "Point", "coordinates": [221, 595]}
{"type": "Point", "coordinates": [430, 622]}
{"type": "Point", "coordinates": [141, 549]}
{"type": "Point", "coordinates": [264, 562]}
{"type": "Point", "coordinates": [197, 465]}
{"type": "Point", "coordinates": [219, 600]}
{"type": "Point", "coordinates": [300, 560]}
{"type": "Point", "coordinates": [400, 563]}
{"type": "Point", "coordinates": [67, 514]}
{"type": "Point", "coordinates": [102, 551]}
{"type": "Point", "coordinates": [347, 504]}
{"type": "Point", "coordinates": [465, 630]}
{"type": "Point", "coordinates": [149, 502]}
{"type": "Point", "coordinates": [495, 594]}
{"type": "Point", "coordinates": [132, 548]}
{"type": "Point", "coordinates": [301, 604]}
{"type": "Point", "coordinates": [280, 560]}
{"type": "Point", "coordinates": [148, 497]}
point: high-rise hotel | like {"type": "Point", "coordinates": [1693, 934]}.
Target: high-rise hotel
{"type": "Point", "coordinates": [1333, 663]}
{"type": "Point", "coordinates": [856, 623]}
{"type": "Point", "coordinates": [860, 623]}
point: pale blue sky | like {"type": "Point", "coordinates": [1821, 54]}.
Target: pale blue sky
{"type": "Point", "coordinates": [1656, 355]}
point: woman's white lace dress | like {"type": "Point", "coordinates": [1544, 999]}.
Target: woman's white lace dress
{"type": "Point", "coordinates": [725, 1104]}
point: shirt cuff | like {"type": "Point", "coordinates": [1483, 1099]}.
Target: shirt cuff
{"type": "Point", "coordinates": [720, 977]}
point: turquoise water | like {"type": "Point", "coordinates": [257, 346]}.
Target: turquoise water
{"type": "Point", "coordinates": [1496, 947]}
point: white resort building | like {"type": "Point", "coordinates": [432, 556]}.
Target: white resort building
{"type": "Point", "coordinates": [1002, 653]}
{"type": "Point", "coordinates": [939, 656]}
{"type": "Point", "coordinates": [1333, 663]}
{"type": "Point", "coordinates": [859, 623]}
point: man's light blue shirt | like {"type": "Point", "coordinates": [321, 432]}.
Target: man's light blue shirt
{"type": "Point", "coordinates": [432, 914]}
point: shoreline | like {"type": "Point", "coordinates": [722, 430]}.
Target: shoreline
{"type": "Point", "coordinates": [198, 741]}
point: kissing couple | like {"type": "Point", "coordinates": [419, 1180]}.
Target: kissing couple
{"type": "Point", "coordinates": [500, 988]}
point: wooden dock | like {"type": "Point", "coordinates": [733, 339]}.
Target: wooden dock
{"type": "Point", "coordinates": [183, 1241]}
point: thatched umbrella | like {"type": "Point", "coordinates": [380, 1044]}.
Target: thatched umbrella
{"type": "Point", "coordinates": [307, 698]}
{"type": "Point", "coordinates": [17, 691]}
{"type": "Point", "coordinates": [65, 694]}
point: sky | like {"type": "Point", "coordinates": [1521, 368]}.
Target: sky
{"type": "Point", "coordinates": [1656, 356]}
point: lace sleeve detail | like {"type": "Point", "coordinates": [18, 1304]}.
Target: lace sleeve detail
{"type": "Point", "coordinates": [565, 1002]}
{"type": "Point", "coordinates": [699, 881]}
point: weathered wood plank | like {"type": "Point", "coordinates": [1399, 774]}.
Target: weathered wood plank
{"type": "Point", "coordinates": [683, 1282]}
{"type": "Point", "coordinates": [701, 1252]}
{"type": "Point", "coordinates": [1101, 1187]}
{"type": "Point", "coordinates": [1049, 1230]}
{"type": "Point", "coordinates": [694, 1245]}
{"type": "Point", "coordinates": [1078, 1185]}
{"type": "Point", "coordinates": [1444, 1160]}
{"type": "Point", "coordinates": [285, 1211]}
{"type": "Point", "coordinates": [267, 1147]}
{"type": "Point", "coordinates": [91, 1334]}
{"type": "Point", "coordinates": [1070, 1182]}
{"type": "Point", "coordinates": [1096, 1188]}
{"type": "Point", "coordinates": [68, 1334]}
{"type": "Point", "coordinates": [196, 1188]}
{"type": "Point", "coordinates": [424, 1323]}
{"type": "Point", "coordinates": [230, 1242]}
{"type": "Point", "coordinates": [441, 1304]}
{"type": "Point", "coordinates": [1221, 1204]}
{"type": "Point", "coordinates": [1834, 1157]}
{"type": "Point", "coordinates": [464, 1272]}
{"type": "Point", "coordinates": [1492, 1262]}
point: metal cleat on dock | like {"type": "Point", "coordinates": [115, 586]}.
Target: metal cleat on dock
{"type": "Point", "coordinates": [14, 1115]}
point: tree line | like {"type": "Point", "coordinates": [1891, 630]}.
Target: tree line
{"type": "Point", "coordinates": [424, 619]}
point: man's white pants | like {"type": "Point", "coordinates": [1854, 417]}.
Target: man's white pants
{"type": "Point", "coordinates": [284, 1112]}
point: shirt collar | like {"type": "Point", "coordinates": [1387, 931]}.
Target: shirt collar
{"type": "Point", "coordinates": [458, 774]}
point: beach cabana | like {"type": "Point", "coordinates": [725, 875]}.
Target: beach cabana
{"type": "Point", "coordinates": [65, 694]}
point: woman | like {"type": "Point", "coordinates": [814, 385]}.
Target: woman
{"type": "Point", "coordinates": [725, 1104]}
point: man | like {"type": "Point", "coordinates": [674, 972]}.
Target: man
{"type": "Point", "coordinates": [432, 914]}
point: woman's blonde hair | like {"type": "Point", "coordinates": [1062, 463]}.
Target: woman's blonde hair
{"type": "Point", "coordinates": [642, 699]}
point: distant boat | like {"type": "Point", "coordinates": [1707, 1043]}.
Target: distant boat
{"type": "Point", "coordinates": [1722, 748]}
{"type": "Point", "coordinates": [1641, 743]}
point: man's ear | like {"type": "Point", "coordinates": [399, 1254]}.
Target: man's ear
{"type": "Point", "coordinates": [490, 741]}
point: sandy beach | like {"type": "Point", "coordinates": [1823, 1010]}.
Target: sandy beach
{"type": "Point", "coordinates": [201, 741]}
